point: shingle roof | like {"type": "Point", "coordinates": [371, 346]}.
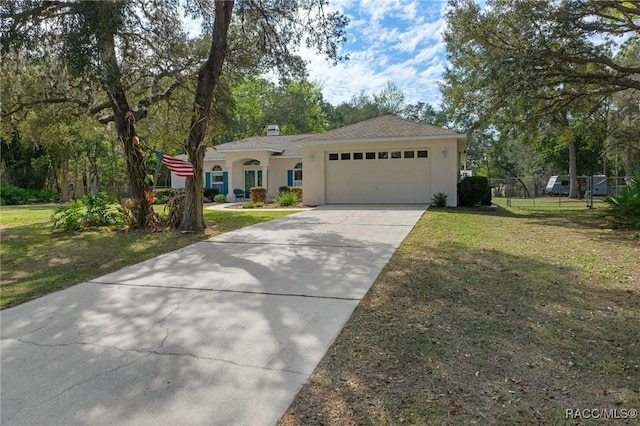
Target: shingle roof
{"type": "Point", "coordinates": [212, 154]}
{"type": "Point", "coordinates": [387, 126]}
{"type": "Point", "coordinates": [286, 145]}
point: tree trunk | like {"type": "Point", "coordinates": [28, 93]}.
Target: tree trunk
{"type": "Point", "coordinates": [628, 163]}
{"type": "Point", "coordinates": [573, 174]}
{"type": "Point", "coordinates": [193, 219]}
{"type": "Point", "coordinates": [64, 166]}
{"type": "Point", "coordinates": [143, 213]}
{"type": "Point", "coordinates": [568, 137]}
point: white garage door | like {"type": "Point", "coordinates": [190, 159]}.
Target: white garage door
{"type": "Point", "coordinates": [378, 176]}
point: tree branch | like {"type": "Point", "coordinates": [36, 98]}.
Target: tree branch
{"type": "Point", "coordinates": [48, 101]}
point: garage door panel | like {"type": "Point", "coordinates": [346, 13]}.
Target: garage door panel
{"type": "Point", "coordinates": [378, 181]}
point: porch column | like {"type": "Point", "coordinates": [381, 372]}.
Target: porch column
{"type": "Point", "coordinates": [265, 181]}
{"type": "Point", "coordinates": [230, 188]}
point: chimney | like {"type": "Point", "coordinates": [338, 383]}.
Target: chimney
{"type": "Point", "coordinates": [273, 130]}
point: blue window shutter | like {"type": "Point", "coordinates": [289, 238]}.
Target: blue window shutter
{"type": "Point", "coordinates": [225, 183]}
{"type": "Point", "coordinates": [207, 179]}
{"type": "Point", "coordinates": [289, 177]}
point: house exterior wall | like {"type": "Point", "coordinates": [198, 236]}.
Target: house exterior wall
{"type": "Point", "coordinates": [273, 167]}
{"type": "Point", "coordinates": [443, 165]}
{"type": "Point", "coordinates": [445, 170]}
{"type": "Point", "coordinates": [278, 173]}
{"type": "Point", "coordinates": [179, 182]}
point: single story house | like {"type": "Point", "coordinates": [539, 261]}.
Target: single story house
{"type": "Point", "coordinates": [382, 160]}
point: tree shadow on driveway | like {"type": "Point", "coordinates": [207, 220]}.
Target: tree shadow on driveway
{"type": "Point", "coordinates": [221, 332]}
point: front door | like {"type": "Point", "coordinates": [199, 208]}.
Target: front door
{"type": "Point", "coordinates": [252, 178]}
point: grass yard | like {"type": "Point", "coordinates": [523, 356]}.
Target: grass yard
{"type": "Point", "coordinates": [546, 203]}
{"type": "Point", "coordinates": [504, 317]}
{"type": "Point", "coordinates": [37, 261]}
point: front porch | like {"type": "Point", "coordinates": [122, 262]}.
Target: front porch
{"type": "Point", "coordinates": [247, 171]}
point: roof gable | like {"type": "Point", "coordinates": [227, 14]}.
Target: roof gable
{"type": "Point", "coordinates": [284, 145]}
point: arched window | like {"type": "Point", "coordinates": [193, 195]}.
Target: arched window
{"type": "Point", "coordinates": [297, 175]}
{"type": "Point", "coordinates": [252, 163]}
{"type": "Point", "coordinates": [216, 168]}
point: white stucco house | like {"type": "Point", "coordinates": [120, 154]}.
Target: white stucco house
{"type": "Point", "coordinates": [383, 160]}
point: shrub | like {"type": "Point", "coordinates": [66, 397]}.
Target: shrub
{"type": "Point", "coordinates": [624, 209]}
{"type": "Point", "coordinates": [286, 199]}
{"type": "Point", "coordinates": [220, 198]}
{"type": "Point", "coordinates": [439, 200]}
{"type": "Point", "coordinates": [253, 205]}
{"type": "Point", "coordinates": [175, 208]}
{"type": "Point", "coordinates": [126, 209]}
{"type": "Point", "coordinates": [162, 195]}
{"type": "Point", "coordinates": [258, 194]}
{"type": "Point", "coordinates": [13, 195]}
{"type": "Point", "coordinates": [297, 190]}
{"type": "Point", "coordinates": [283, 189]}
{"type": "Point", "coordinates": [45, 196]}
{"type": "Point", "coordinates": [210, 193]}
{"type": "Point", "coordinates": [100, 210]}
{"type": "Point", "coordinates": [474, 190]}
{"type": "Point", "coordinates": [68, 218]}
{"type": "Point", "coordinates": [94, 209]}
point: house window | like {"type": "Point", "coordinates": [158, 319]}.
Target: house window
{"type": "Point", "coordinates": [423, 154]}
{"type": "Point", "coordinates": [409, 154]}
{"type": "Point", "coordinates": [357, 156]}
{"type": "Point", "coordinates": [217, 180]}
{"type": "Point", "coordinates": [396, 154]}
{"type": "Point", "coordinates": [345, 156]}
{"type": "Point", "coordinates": [383, 155]}
{"type": "Point", "coordinates": [252, 163]}
{"type": "Point", "coordinates": [297, 175]}
{"type": "Point", "coordinates": [333, 157]}
{"type": "Point", "coordinates": [370, 155]}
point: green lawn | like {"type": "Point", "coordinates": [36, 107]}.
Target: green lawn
{"type": "Point", "coordinates": [36, 261]}
{"type": "Point", "coordinates": [547, 203]}
{"type": "Point", "coordinates": [497, 317]}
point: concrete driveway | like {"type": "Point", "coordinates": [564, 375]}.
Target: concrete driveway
{"type": "Point", "coordinates": [223, 332]}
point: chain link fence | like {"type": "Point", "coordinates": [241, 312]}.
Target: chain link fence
{"type": "Point", "coordinates": [539, 191]}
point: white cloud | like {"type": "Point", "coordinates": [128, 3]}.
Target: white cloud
{"type": "Point", "coordinates": [398, 41]}
{"type": "Point", "coordinates": [410, 13]}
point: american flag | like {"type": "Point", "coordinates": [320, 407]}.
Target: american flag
{"type": "Point", "coordinates": [180, 167]}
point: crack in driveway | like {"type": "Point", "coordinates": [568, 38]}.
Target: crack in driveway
{"type": "Point", "coordinates": [223, 290]}
{"type": "Point", "coordinates": [146, 352]}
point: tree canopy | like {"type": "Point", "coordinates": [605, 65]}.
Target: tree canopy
{"type": "Point", "coordinates": [519, 67]}
{"type": "Point", "coordinates": [125, 56]}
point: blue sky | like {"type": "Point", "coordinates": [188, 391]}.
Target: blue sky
{"type": "Point", "coordinates": [398, 41]}
{"type": "Point", "coordinates": [387, 40]}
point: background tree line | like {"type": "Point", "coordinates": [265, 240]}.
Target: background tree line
{"type": "Point", "coordinates": [540, 87]}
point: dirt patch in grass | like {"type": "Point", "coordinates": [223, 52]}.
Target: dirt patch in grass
{"type": "Point", "coordinates": [500, 317]}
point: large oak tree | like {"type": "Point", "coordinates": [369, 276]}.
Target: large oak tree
{"type": "Point", "coordinates": [276, 29]}
{"type": "Point", "coordinates": [125, 47]}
